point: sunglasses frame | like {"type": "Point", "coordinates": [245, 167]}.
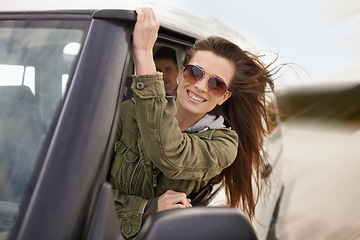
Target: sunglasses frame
{"type": "Point", "coordinates": [210, 76]}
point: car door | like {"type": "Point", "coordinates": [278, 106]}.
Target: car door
{"type": "Point", "coordinates": [70, 165]}
{"type": "Point", "coordinates": [67, 194]}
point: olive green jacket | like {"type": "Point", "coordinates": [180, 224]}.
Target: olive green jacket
{"type": "Point", "coordinates": [152, 155]}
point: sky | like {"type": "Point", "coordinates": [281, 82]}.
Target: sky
{"type": "Point", "coordinates": [321, 39]}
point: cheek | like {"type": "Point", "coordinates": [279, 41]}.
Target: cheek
{"type": "Point", "coordinates": [180, 86]}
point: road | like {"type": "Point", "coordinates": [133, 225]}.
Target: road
{"type": "Point", "coordinates": [322, 176]}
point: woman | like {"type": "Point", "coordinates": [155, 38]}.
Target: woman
{"type": "Point", "coordinates": [167, 149]}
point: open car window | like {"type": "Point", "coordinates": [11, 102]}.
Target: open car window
{"type": "Point", "coordinates": [180, 54]}
{"type": "Point", "coordinates": [37, 60]}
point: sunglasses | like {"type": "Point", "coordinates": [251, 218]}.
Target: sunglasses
{"type": "Point", "coordinates": [217, 87]}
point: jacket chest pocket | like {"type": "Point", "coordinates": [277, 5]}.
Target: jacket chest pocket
{"type": "Point", "coordinates": [129, 154]}
{"type": "Point", "coordinates": [126, 162]}
{"type": "Point", "coordinates": [129, 170]}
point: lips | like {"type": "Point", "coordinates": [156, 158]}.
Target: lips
{"type": "Point", "coordinates": [195, 97]}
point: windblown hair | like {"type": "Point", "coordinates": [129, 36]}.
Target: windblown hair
{"type": "Point", "coordinates": [246, 112]}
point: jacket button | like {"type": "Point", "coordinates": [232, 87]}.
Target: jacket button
{"type": "Point", "coordinates": [147, 164]}
{"type": "Point", "coordinates": [140, 85]}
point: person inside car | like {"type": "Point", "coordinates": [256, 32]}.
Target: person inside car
{"type": "Point", "coordinates": [166, 62]}
{"type": "Point", "coordinates": [167, 148]}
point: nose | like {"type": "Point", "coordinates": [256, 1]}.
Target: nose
{"type": "Point", "coordinates": [201, 85]}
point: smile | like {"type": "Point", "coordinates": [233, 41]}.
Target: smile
{"type": "Point", "coordinates": [194, 97]}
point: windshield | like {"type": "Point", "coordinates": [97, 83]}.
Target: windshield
{"type": "Point", "coordinates": [37, 60]}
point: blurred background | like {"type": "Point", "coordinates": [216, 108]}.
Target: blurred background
{"type": "Point", "coordinates": [318, 93]}
{"type": "Point", "coordinates": [319, 99]}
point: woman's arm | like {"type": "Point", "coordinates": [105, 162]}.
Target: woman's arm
{"type": "Point", "coordinates": [198, 156]}
{"type": "Point", "coordinates": [144, 37]}
{"type": "Point", "coordinates": [130, 208]}
{"type": "Point", "coordinates": [178, 155]}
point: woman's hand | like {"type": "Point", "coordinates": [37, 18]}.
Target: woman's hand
{"type": "Point", "coordinates": [144, 37]}
{"type": "Point", "coordinates": [173, 200]}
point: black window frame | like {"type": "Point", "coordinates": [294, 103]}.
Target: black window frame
{"type": "Point", "coordinates": [43, 204]}
{"type": "Point", "coordinates": [37, 205]}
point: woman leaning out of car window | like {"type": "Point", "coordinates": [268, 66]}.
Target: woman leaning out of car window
{"type": "Point", "coordinates": [167, 148]}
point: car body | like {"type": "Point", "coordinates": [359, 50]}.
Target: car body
{"type": "Point", "coordinates": [65, 68]}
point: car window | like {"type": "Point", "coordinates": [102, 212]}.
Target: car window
{"type": "Point", "coordinates": [180, 54]}
{"type": "Point", "coordinates": [37, 60]}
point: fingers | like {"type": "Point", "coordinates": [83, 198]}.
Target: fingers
{"type": "Point", "coordinates": [177, 198]}
{"type": "Point", "coordinates": [146, 14]}
{"type": "Point", "coordinates": [173, 200]}
{"type": "Point", "coordinates": [183, 200]}
{"type": "Point", "coordinates": [144, 36]}
{"type": "Point", "coordinates": [146, 19]}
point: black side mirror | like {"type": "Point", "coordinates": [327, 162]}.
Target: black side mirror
{"type": "Point", "coordinates": [198, 223]}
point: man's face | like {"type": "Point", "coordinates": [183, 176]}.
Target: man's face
{"type": "Point", "coordinates": [170, 72]}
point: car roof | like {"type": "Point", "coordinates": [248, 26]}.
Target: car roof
{"type": "Point", "coordinates": [168, 16]}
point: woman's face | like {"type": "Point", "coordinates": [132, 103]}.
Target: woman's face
{"type": "Point", "coordinates": [194, 98]}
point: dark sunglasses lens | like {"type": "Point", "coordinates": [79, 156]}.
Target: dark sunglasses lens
{"type": "Point", "coordinates": [192, 73]}
{"type": "Point", "coordinates": [216, 86]}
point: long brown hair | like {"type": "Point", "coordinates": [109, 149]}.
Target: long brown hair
{"type": "Point", "coordinates": [246, 112]}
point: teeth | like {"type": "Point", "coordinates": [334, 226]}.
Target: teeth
{"type": "Point", "coordinates": [196, 98]}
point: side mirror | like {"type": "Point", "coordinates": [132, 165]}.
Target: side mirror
{"type": "Point", "coordinates": [198, 223]}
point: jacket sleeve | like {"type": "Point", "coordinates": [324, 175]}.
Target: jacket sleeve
{"type": "Point", "coordinates": [130, 209]}
{"type": "Point", "coordinates": [177, 154]}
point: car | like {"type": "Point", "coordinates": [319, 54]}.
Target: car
{"type": "Point", "coordinates": [65, 69]}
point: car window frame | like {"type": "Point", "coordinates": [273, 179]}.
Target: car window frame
{"type": "Point", "coordinates": [24, 227]}
{"type": "Point", "coordinates": [24, 213]}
